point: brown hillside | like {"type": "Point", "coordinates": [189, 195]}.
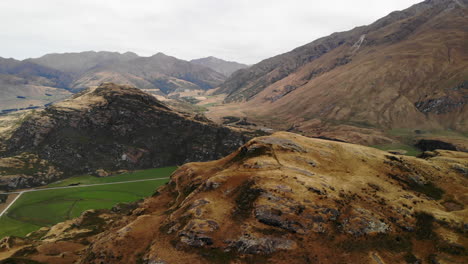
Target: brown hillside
{"type": "Point", "coordinates": [407, 70]}
{"type": "Point", "coordinates": [280, 199]}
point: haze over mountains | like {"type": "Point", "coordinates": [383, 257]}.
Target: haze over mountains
{"type": "Point", "coordinates": [406, 70]}
{"type": "Point", "coordinates": [158, 74]}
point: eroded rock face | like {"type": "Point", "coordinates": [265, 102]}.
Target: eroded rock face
{"type": "Point", "coordinates": [316, 201]}
{"type": "Point", "coordinates": [116, 127]}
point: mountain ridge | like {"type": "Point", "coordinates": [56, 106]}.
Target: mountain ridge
{"type": "Point", "coordinates": [410, 67]}
{"type": "Point", "coordinates": [159, 72]}
{"type": "Point", "coordinates": [226, 68]}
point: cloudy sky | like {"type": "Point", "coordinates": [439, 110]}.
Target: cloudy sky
{"type": "Point", "coordinates": [242, 30]}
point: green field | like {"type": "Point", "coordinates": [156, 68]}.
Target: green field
{"type": "Point", "coordinates": [34, 210]}
{"type": "Point", "coordinates": [408, 137]}
{"type": "Point", "coordinates": [410, 150]}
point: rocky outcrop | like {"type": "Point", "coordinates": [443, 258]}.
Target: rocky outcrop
{"type": "Point", "coordinates": [116, 127]}
{"type": "Point", "coordinates": [288, 198]}
{"type": "Point", "coordinates": [441, 105]}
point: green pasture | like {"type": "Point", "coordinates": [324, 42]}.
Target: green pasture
{"type": "Point", "coordinates": [410, 150]}
{"type": "Point", "coordinates": [34, 210]}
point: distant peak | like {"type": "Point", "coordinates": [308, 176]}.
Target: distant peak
{"type": "Point", "coordinates": [129, 53]}
{"type": "Point", "coordinates": [160, 54]}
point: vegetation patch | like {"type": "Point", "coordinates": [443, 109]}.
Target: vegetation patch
{"type": "Point", "coordinates": [19, 261]}
{"type": "Point", "coordinates": [220, 256]}
{"type": "Point", "coordinates": [410, 258]}
{"type": "Point", "coordinates": [429, 189]}
{"type": "Point", "coordinates": [230, 119]}
{"type": "Point", "coordinates": [410, 150]}
{"type": "Point", "coordinates": [424, 226]}
{"type": "Point", "coordinates": [393, 243]}
{"type": "Point", "coordinates": [245, 199]}
{"type": "Point", "coordinates": [3, 198]}
{"type": "Point", "coordinates": [452, 249]}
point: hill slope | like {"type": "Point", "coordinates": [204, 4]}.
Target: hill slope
{"type": "Point", "coordinates": [406, 70]}
{"type": "Point", "coordinates": [280, 199]}
{"type": "Point", "coordinates": [224, 67]}
{"type": "Point", "coordinates": [108, 128]}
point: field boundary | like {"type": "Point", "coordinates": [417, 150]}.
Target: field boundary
{"type": "Point", "coordinates": [8, 206]}
{"type": "Point", "coordinates": [68, 187]}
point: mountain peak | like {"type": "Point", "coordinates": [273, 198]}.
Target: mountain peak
{"type": "Point", "coordinates": [224, 67]}
{"type": "Point", "coordinates": [105, 93]}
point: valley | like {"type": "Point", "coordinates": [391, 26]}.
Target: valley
{"type": "Point", "coordinates": [352, 148]}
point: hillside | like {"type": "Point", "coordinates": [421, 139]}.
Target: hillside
{"type": "Point", "coordinates": [106, 129]}
{"type": "Point", "coordinates": [408, 70]}
{"type": "Point", "coordinates": [279, 199]}
{"type": "Point", "coordinates": [224, 67]}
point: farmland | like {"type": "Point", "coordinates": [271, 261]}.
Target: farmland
{"type": "Point", "coordinates": [37, 209]}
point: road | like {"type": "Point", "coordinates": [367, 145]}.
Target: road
{"type": "Point", "coordinates": [68, 187]}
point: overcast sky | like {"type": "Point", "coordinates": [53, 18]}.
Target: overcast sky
{"type": "Point", "coordinates": [241, 30]}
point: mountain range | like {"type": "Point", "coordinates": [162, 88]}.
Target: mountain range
{"type": "Point", "coordinates": [52, 77]}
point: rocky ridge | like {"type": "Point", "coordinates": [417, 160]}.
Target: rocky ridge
{"type": "Point", "coordinates": [280, 199]}
{"type": "Point", "coordinates": [111, 127]}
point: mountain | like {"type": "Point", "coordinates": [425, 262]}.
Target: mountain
{"type": "Point", "coordinates": [106, 129]}
{"type": "Point", "coordinates": [26, 84]}
{"type": "Point", "coordinates": [79, 63]}
{"type": "Point", "coordinates": [224, 67]}
{"type": "Point", "coordinates": [34, 72]}
{"type": "Point", "coordinates": [408, 70]}
{"type": "Point", "coordinates": [33, 83]}
{"type": "Point", "coordinates": [283, 198]}
{"type": "Point", "coordinates": [160, 74]}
